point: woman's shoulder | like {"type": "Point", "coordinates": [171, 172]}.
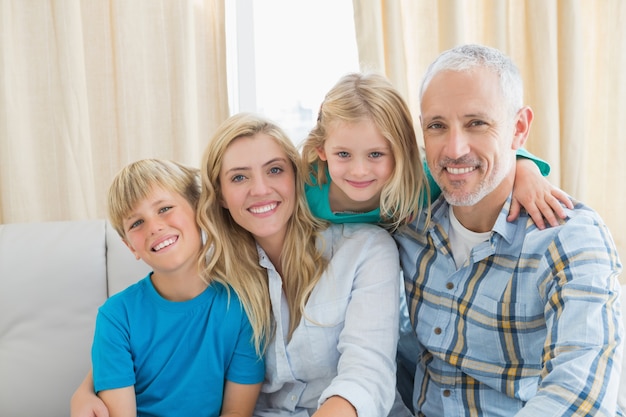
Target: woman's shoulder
{"type": "Point", "coordinates": [357, 233]}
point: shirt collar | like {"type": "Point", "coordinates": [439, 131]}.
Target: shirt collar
{"type": "Point", "coordinates": [502, 227]}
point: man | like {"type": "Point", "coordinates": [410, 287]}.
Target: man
{"type": "Point", "coordinates": [510, 319]}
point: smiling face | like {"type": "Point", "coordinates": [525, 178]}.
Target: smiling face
{"type": "Point", "coordinates": [161, 230]}
{"type": "Point", "coordinates": [257, 183]}
{"type": "Point", "coordinates": [360, 163]}
{"type": "Point", "coordinates": [470, 136]}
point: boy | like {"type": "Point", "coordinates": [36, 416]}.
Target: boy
{"type": "Point", "coordinates": [172, 344]}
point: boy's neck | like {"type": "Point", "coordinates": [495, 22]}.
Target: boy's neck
{"type": "Point", "coordinates": [178, 286]}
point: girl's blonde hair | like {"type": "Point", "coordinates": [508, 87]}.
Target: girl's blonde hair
{"type": "Point", "coordinates": [232, 253]}
{"type": "Point", "coordinates": [357, 97]}
{"type": "Point", "coordinates": [136, 181]}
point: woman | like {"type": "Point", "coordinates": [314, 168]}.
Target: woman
{"type": "Point", "coordinates": [333, 289]}
{"type": "Point", "coordinates": [321, 299]}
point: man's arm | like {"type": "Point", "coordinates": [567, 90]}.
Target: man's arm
{"type": "Point", "coordinates": [531, 191]}
{"type": "Point", "coordinates": [582, 353]}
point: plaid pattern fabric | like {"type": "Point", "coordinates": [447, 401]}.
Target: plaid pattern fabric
{"type": "Point", "coordinates": [529, 325]}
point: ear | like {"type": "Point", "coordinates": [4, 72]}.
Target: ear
{"type": "Point", "coordinates": [132, 250]}
{"type": "Point", "coordinates": [523, 120]}
{"type": "Point", "coordinates": [321, 153]}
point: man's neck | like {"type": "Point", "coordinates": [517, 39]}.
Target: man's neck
{"type": "Point", "coordinates": [482, 216]}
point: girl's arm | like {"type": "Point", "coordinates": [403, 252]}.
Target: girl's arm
{"type": "Point", "coordinates": [85, 403]}
{"type": "Point", "coordinates": [531, 190]}
{"type": "Point", "coordinates": [239, 399]}
{"type": "Point", "coordinates": [535, 193]}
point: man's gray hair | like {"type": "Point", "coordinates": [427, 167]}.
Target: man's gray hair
{"type": "Point", "coordinates": [468, 57]}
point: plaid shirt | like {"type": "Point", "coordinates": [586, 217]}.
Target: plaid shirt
{"type": "Point", "coordinates": [530, 325]}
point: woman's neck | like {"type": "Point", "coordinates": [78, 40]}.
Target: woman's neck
{"type": "Point", "coordinates": [273, 248]}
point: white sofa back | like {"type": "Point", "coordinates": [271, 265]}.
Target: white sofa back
{"type": "Point", "coordinates": [53, 278]}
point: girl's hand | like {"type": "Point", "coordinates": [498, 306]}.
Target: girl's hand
{"type": "Point", "coordinates": [541, 199]}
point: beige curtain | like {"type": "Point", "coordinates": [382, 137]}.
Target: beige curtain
{"type": "Point", "coordinates": [87, 86]}
{"type": "Point", "coordinates": [572, 55]}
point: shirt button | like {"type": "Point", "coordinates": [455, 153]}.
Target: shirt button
{"type": "Point", "coordinates": [294, 398]}
{"type": "Point", "coordinates": [449, 285]}
{"type": "Point", "coordinates": [446, 392]}
{"type": "Point", "coordinates": [437, 330]}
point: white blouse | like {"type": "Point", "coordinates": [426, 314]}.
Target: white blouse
{"type": "Point", "coordinates": [346, 342]}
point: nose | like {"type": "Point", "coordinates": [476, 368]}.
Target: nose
{"type": "Point", "coordinates": [359, 167]}
{"type": "Point", "coordinates": [457, 143]}
{"type": "Point", "coordinates": [260, 186]}
{"type": "Point", "coordinates": [155, 224]}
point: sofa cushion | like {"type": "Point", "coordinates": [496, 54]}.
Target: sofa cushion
{"type": "Point", "coordinates": [53, 279]}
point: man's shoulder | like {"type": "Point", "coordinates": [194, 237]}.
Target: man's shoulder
{"type": "Point", "coordinates": [580, 219]}
{"type": "Point", "coordinates": [583, 231]}
{"type": "Point", "coordinates": [583, 213]}
{"type": "Point", "coordinates": [417, 230]}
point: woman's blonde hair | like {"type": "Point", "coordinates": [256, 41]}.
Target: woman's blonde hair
{"type": "Point", "coordinates": [136, 181]}
{"type": "Point", "coordinates": [357, 97]}
{"type": "Point", "coordinates": [233, 256]}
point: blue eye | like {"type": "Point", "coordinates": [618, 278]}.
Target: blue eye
{"type": "Point", "coordinates": [237, 178]}
{"type": "Point", "coordinates": [135, 224]}
{"type": "Point", "coordinates": [343, 154]}
{"type": "Point", "coordinates": [276, 170]}
{"type": "Point", "coordinates": [164, 209]}
{"type": "Point", "coordinates": [376, 154]}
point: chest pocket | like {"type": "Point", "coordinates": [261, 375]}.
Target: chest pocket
{"type": "Point", "coordinates": [516, 330]}
{"type": "Point", "coordinates": [323, 324]}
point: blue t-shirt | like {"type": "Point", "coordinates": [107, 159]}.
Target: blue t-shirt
{"type": "Point", "coordinates": [177, 355]}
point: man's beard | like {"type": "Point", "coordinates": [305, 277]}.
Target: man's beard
{"type": "Point", "coordinates": [486, 185]}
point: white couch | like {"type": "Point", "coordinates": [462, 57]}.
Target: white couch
{"type": "Point", "coordinates": [53, 278]}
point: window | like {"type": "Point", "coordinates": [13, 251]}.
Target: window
{"type": "Point", "coordinates": [284, 55]}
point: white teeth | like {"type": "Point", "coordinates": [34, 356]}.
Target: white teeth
{"type": "Point", "coordinates": [164, 244]}
{"type": "Point", "coordinates": [263, 209]}
{"type": "Point", "coordinates": [457, 171]}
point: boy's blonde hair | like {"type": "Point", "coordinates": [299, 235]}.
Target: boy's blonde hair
{"type": "Point", "coordinates": [137, 180]}
{"type": "Point", "coordinates": [233, 252]}
{"type": "Point", "coordinates": [357, 97]}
